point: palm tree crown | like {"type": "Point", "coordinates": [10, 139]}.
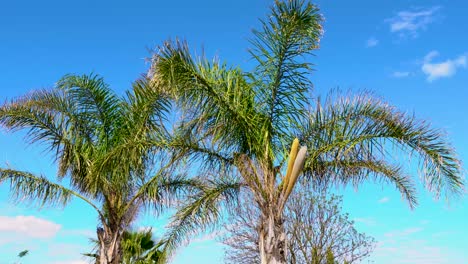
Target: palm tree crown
{"type": "Point", "coordinates": [110, 148]}
{"type": "Point", "coordinates": [240, 125]}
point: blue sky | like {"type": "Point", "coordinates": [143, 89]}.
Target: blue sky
{"type": "Point", "coordinates": [412, 53]}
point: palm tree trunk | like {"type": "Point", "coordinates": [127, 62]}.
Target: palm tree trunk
{"type": "Point", "coordinates": [272, 238]}
{"type": "Point", "coordinates": [109, 246]}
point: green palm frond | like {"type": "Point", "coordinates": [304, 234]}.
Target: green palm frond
{"type": "Point", "coordinates": [145, 109]}
{"type": "Point", "coordinates": [47, 116]}
{"type": "Point", "coordinates": [217, 99]}
{"type": "Point", "coordinates": [52, 118]}
{"type": "Point", "coordinates": [200, 150]}
{"type": "Point", "coordinates": [292, 31]}
{"type": "Point", "coordinates": [93, 99]}
{"type": "Point", "coordinates": [136, 244]}
{"type": "Point", "coordinates": [327, 173]}
{"type": "Point", "coordinates": [203, 210]}
{"type": "Point", "coordinates": [25, 186]}
{"type": "Point", "coordinates": [166, 190]}
{"type": "Point", "coordinates": [365, 131]}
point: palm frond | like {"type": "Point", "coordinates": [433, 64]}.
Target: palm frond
{"type": "Point", "coordinates": [336, 172]}
{"type": "Point", "coordinates": [145, 110]}
{"type": "Point", "coordinates": [26, 186]}
{"type": "Point", "coordinates": [166, 190]}
{"type": "Point", "coordinates": [200, 149]}
{"type": "Point", "coordinates": [292, 31]}
{"type": "Point", "coordinates": [217, 99]}
{"type": "Point", "coordinates": [94, 100]}
{"type": "Point", "coordinates": [47, 116]}
{"type": "Point", "coordinates": [349, 130]}
{"type": "Point", "coordinates": [201, 211]}
{"type": "Point", "coordinates": [52, 118]}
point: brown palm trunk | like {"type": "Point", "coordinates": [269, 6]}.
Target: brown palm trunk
{"type": "Point", "coordinates": [272, 238]}
{"type": "Point", "coordinates": [109, 246]}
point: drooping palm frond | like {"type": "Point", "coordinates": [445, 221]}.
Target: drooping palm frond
{"type": "Point", "coordinates": [351, 138]}
{"type": "Point", "coordinates": [197, 149]}
{"type": "Point", "coordinates": [25, 186]}
{"type": "Point", "coordinates": [327, 173]}
{"type": "Point", "coordinates": [166, 190]}
{"type": "Point", "coordinates": [93, 99]}
{"type": "Point", "coordinates": [48, 116]}
{"type": "Point", "coordinates": [52, 118]}
{"type": "Point", "coordinates": [202, 211]}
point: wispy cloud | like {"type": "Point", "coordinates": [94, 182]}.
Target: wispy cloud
{"type": "Point", "coordinates": [372, 42]}
{"type": "Point", "coordinates": [439, 235]}
{"type": "Point", "coordinates": [410, 22]}
{"type": "Point", "coordinates": [79, 232]}
{"type": "Point", "coordinates": [413, 252]}
{"type": "Point", "coordinates": [365, 221]}
{"type": "Point", "coordinates": [29, 226]}
{"type": "Point", "coordinates": [400, 74]}
{"type": "Point", "coordinates": [444, 69]}
{"type": "Point", "coordinates": [384, 200]}
{"type": "Point", "coordinates": [404, 247]}
{"type": "Point", "coordinates": [403, 233]}
{"type": "Point", "coordinates": [63, 249]}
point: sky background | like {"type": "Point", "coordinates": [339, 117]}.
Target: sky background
{"type": "Point", "coordinates": [411, 53]}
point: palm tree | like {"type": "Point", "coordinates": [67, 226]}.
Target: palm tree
{"type": "Point", "coordinates": [240, 125]}
{"type": "Point", "coordinates": [138, 247]}
{"type": "Point", "coordinates": [107, 146]}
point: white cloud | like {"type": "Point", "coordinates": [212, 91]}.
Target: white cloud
{"type": "Point", "coordinates": [79, 232]}
{"type": "Point", "coordinates": [431, 55]}
{"type": "Point", "coordinates": [29, 226]}
{"type": "Point", "coordinates": [384, 200]}
{"type": "Point", "coordinates": [401, 74]}
{"type": "Point", "coordinates": [365, 221]}
{"type": "Point", "coordinates": [411, 22]}
{"type": "Point", "coordinates": [403, 233]}
{"type": "Point", "coordinates": [410, 252]}
{"type": "Point", "coordinates": [447, 68]}
{"type": "Point", "coordinates": [404, 247]}
{"type": "Point", "coordinates": [64, 249]}
{"type": "Point", "coordinates": [372, 42]}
